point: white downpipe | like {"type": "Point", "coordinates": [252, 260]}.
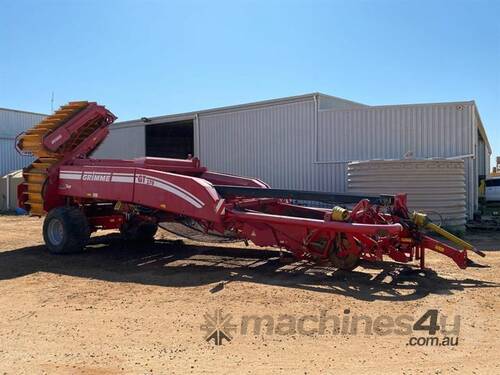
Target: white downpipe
{"type": "Point", "coordinates": [7, 193]}
{"type": "Point", "coordinates": [197, 136]}
{"type": "Point", "coordinates": [316, 131]}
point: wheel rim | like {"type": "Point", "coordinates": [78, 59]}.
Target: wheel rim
{"type": "Point", "coordinates": [55, 232]}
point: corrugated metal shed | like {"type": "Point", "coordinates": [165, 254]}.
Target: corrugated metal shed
{"type": "Point", "coordinates": [13, 122]}
{"type": "Point", "coordinates": [305, 142]}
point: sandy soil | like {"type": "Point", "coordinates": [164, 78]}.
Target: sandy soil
{"type": "Point", "coordinates": [125, 308]}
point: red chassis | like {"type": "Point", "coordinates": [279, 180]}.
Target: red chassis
{"type": "Point", "coordinates": [135, 195]}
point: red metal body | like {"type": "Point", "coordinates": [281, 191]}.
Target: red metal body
{"type": "Point", "coordinates": [110, 192]}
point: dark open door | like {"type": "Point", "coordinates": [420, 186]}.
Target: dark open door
{"type": "Point", "coordinates": [170, 140]}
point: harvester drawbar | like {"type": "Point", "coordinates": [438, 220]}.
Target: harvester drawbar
{"type": "Point", "coordinates": [80, 195]}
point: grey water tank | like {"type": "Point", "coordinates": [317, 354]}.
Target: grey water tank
{"type": "Point", "coordinates": [434, 186]}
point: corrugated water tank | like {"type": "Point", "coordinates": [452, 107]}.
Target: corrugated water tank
{"type": "Point", "coordinates": [434, 186]}
{"type": "Point", "coordinates": [8, 190]}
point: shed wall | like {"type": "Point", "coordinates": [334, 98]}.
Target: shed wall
{"type": "Point", "coordinates": [10, 160]}
{"type": "Point", "coordinates": [274, 143]}
{"type": "Point", "coordinates": [437, 130]}
{"type": "Point", "coordinates": [11, 124]}
{"type": "Point", "coordinates": [123, 143]}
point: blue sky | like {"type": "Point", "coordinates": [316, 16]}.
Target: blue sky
{"type": "Point", "coordinates": [146, 58]}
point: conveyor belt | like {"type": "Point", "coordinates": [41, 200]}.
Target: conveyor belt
{"type": "Point", "coordinates": [71, 126]}
{"type": "Point", "coordinates": [334, 198]}
{"type": "Point", "coordinates": [32, 142]}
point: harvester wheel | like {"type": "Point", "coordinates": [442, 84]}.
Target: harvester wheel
{"type": "Point", "coordinates": [65, 230]}
{"type": "Point", "coordinates": [346, 262]}
{"type": "Point", "coordinates": [143, 231]}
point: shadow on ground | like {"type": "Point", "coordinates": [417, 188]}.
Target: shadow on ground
{"type": "Point", "coordinates": [175, 264]}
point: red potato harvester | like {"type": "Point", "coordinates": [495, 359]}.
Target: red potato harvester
{"type": "Point", "coordinates": [80, 195]}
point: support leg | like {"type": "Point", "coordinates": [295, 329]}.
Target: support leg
{"type": "Point", "coordinates": [422, 257]}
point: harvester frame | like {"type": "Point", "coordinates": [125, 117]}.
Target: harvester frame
{"type": "Point", "coordinates": [81, 195]}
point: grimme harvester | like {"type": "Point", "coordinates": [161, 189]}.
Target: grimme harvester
{"type": "Point", "coordinates": [80, 195]}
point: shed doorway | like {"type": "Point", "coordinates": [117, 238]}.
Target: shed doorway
{"type": "Point", "coordinates": [170, 140]}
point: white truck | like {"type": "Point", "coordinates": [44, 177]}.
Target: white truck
{"type": "Point", "coordinates": [492, 191]}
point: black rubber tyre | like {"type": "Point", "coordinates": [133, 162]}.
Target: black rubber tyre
{"type": "Point", "coordinates": [346, 263]}
{"type": "Point", "coordinates": [65, 230]}
{"type": "Point", "coordinates": [144, 231]}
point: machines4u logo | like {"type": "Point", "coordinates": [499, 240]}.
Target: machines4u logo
{"type": "Point", "coordinates": [218, 327]}
{"type": "Point", "coordinates": [432, 328]}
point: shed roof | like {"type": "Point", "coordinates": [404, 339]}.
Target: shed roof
{"type": "Point", "coordinates": [20, 111]}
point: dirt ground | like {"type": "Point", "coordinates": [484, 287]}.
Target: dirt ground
{"type": "Point", "coordinates": [125, 308]}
